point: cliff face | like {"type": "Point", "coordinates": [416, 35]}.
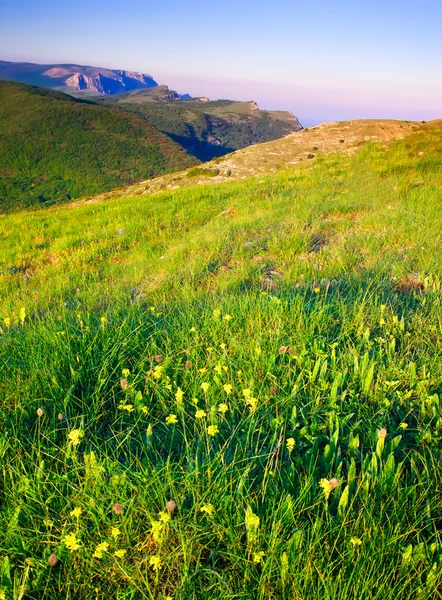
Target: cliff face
{"type": "Point", "coordinates": [76, 78]}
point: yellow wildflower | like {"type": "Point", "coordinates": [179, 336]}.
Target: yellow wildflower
{"type": "Point", "coordinates": [202, 370]}
{"type": "Point", "coordinates": [164, 517]}
{"type": "Point", "coordinates": [317, 290]}
{"type": "Point", "coordinates": [128, 407]}
{"type": "Point", "coordinates": [100, 550]}
{"type": "Point", "coordinates": [247, 393]}
{"type": "Point", "coordinates": [252, 402]}
{"type": "Point", "coordinates": [75, 436]}
{"type": "Point", "coordinates": [171, 420]}
{"type": "Point", "coordinates": [205, 386]}
{"type": "Point", "coordinates": [76, 512]}
{"type": "Point", "coordinates": [155, 562]}
{"type": "Point", "coordinates": [223, 408]}
{"type": "Point", "coordinates": [120, 553]}
{"type": "Point", "coordinates": [290, 444]}
{"type": "Point", "coordinates": [179, 395]}
{"type": "Point", "coordinates": [208, 509]}
{"type": "Point", "coordinates": [156, 530]}
{"type": "Point", "coordinates": [218, 369]}
{"type": "Point", "coordinates": [216, 313]}
{"type": "Point", "coordinates": [327, 486]}
{"type": "Point", "coordinates": [71, 542]}
{"type": "Point", "coordinates": [258, 556]}
{"type": "Point", "coordinates": [212, 430]}
{"type": "Point", "coordinates": [7, 321]}
{"type": "Point", "coordinates": [22, 315]}
{"type": "Point", "coordinates": [125, 372]}
{"type": "Point", "coordinates": [227, 317]}
{"type": "Point", "coordinates": [158, 371]}
{"type": "Point", "coordinates": [223, 346]}
{"type": "Point", "coordinates": [209, 349]}
{"type": "Point", "coordinates": [403, 425]}
{"type": "Point", "coordinates": [200, 414]}
{"type": "Point", "coordinates": [227, 388]}
{"type": "Point", "coordinates": [115, 532]}
{"type": "Point", "coordinates": [252, 520]}
{"type": "Point", "coordinates": [355, 542]}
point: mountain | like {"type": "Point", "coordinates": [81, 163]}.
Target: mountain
{"type": "Point", "coordinates": [55, 147]}
{"type": "Point", "coordinates": [206, 129]}
{"type": "Point", "coordinates": [76, 78]}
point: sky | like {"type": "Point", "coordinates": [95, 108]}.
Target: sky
{"type": "Point", "coordinates": [321, 60]}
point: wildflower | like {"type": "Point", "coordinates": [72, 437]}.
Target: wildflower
{"type": "Point", "coordinates": [333, 483]}
{"type": "Point", "coordinates": [100, 550]}
{"type": "Point", "coordinates": [120, 553]}
{"type": "Point", "coordinates": [258, 350]}
{"type": "Point", "coordinates": [218, 369]}
{"type": "Point", "coordinates": [382, 433]}
{"type": "Point", "coordinates": [22, 315]}
{"type": "Point", "coordinates": [252, 403]}
{"type": "Point", "coordinates": [60, 417]}
{"type": "Point", "coordinates": [194, 401]}
{"type": "Point", "coordinates": [208, 509]}
{"type": "Point", "coordinates": [328, 486]}
{"type": "Point", "coordinates": [124, 383]}
{"type": "Point", "coordinates": [252, 520]}
{"type": "Point", "coordinates": [128, 407]}
{"type": "Point", "coordinates": [200, 414]}
{"type": "Point", "coordinates": [179, 395]}
{"type": "Point", "coordinates": [216, 313]}
{"type": "Point", "coordinates": [118, 509]}
{"type": "Point", "coordinates": [76, 512]}
{"type": "Point", "coordinates": [291, 350]}
{"type": "Point", "coordinates": [39, 412]}
{"type": "Point", "coordinates": [223, 346]}
{"type": "Point", "coordinates": [247, 393]}
{"type": "Point", "coordinates": [7, 321]}
{"type": "Point", "coordinates": [212, 430]}
{"type": "Point", "coordinates": [52, 560]}
{"type": "Point", "coordinates": [115, 532]}
{"type": "Point", "coordinates": [290, 444]}
{"type": "Point", "coordinates": [156, 530]}
{"type": "Point", "coordinates": [205, 386]}
{"type": "Point", "coordinates": [317, 290]}
{"type": "Point", "coordinates": [227, 388]}
{"type": "Point", "coordinates": [171, 420]}
{"type": "Point", "coordinates": [170, 506]}
{"type": "Point", "coordinates": [203, 370]}
{"type": "Point", "coordinates": [158, 372]}
{"type": "Point", "coordinates": [227, 317]}
{"type": "Point", "coordinates": [47, 522]}
{"type": "Point", "coordinates": [164, 517]}
{"type": "Point", "coordinates": [355, 542]}
{"type": "Point", "coordinates": [159, 358]}
{"type": "Point", "coordinates": [155, 562]}
{"type": "Point", "coordinates": [187, 364]}
{"type": "Point", "coordinates": [223, 408]}
{"type": "Point", "coordinates": [125, 372]}
{"type": "Point", "coordinates": [103, 320]}
{"type": "Point", "coordinates": [75, 436]}
{"type": "Point", "coordinates": [144, 410]}
{"type": "Point", "coordinates": [403, 425]}
{"type": "Point", "coordinates": [258, 556]}
{"type": "Point", "coordinates": [71, 542]}
{"type": "Point", "coordinates": [192, 330]}
{"type": "Point", "coordinates": [210, 349]}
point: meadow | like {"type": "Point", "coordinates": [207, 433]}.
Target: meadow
{"type": "Point", "coordinates": [228, 391]}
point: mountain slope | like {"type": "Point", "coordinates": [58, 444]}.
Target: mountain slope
{"type": "Point", "coordinates": [228, 391]}
{"type": "Point", "coordinates": [207, 129]}
{"type": "Point", "coordinates": [54, 147]}
{"type": "Point", "coordinates": [303, 147]}
{"type": "Point", "coordinates": [76, 78]}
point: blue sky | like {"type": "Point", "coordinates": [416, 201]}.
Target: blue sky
{"type": "Point", "coordinates": [321, 60]}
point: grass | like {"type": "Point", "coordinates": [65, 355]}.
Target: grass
{"type": "Point", "coordinates": [265, 354]}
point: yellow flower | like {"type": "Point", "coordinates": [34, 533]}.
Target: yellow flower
{"type": "Point", "coordinates": [327, 486]}
{"type": "Point", "coordinates": [258, 350]}
{"type": "Point", "coordinates": [227, 317]}
{"type": "Point", "coordinates": [192, 330]}
{"type": "Point", "coordinates": [115, 532]}
{"type": "Point", "coordinates": [317, 290]}
{"type": "Point", "coordinates": [158, 371]}
{"type": "Point", "coordinates": [290, 444]}
{"type": "Point", "coordinates": [100, 550]}
{"type": "Point", "coordinates": [145, 410]}
{"type": "Point", "coordinates": [223, 346]}
{"type": "Point", "coordinates": [7, 321]}
{"type": "Point", "coordinates": [247, 393]}
{"type": "Point", "coordinates": [155, 562]}
{"type": "Point", "coordinates": [216, 313]}
{"type": "Point", "coordinates": [203, 370]}
{"type": "Point", "coordinates": [209, 349]}
{"type": "Point", "coordinates": [71, 542]}
{"type": "Point", "coordinates": [403, 425]}
{"type": "Point", "coordinates": [200, 414]}
{"type": "Point", "coordinates": [3, 595]}
{"type": "Point", "coordinates": [125, 372]}
{"type": "Point", "coordinates": [212, 430]}
{"type": "Point", "coordinates": [179, 395]}
{"type": "Point", "coordinates": [355, 542]}
{"type": "Point", "coordinates": [22, 315]}
{"type": "Point", "coordinates": [208, 509]}
{"type": "Point", "coordinates": [164, 517]}
{"type": "Point", "coordinates": [218, 369]}
{"type": "Point", "coordinates": [75, 436]}
{"type": "Point", "coordinates": [128, 407]}
{"type": "Point", "coordinates": [205, 386]}
{"type": "Point", "coordinates": [120, 553]}
{"type": "Point", "coordinates": [258, 556]}
{"type": "Point", "coordinates": [195, 401]}
{"type": "Point", "coordinates": [171, 420]}
{"type": "Point", "coordinates": [156, 530]}
{"type": "Point", "coordinates": [76, 512]}
{"type": "Point", "coordinates": [252, 402]}
{"type": "Point", "coordinates": [227, 388]}
{"type": "Point", "coordinates": [223, 408]}
{"type": "Point", "coordinates": [252, 520]}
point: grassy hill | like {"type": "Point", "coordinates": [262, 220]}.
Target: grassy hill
{"type": "Point", "coordinates": [206, 129]}
{"type": "Point", "coordinates": [228, 391]}
{"type": "Point", "coordinates": [55, 148]}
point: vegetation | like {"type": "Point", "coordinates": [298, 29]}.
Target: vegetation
{"type": "Point", "coordinates": [228, 391]}
{"type": "Point", "coordinates": [55, 148]}
{"type": "Point", "coordinates": [208, 129]}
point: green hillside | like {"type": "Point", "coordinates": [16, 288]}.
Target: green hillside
{"type": "Point", "coordinates": [207, 129]}
{"type": "Point", "coordinates": [54, 148]}
{"type": "Point", "coordinates": [228, 391]}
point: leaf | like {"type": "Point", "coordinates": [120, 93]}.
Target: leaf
{"type": "Point", "coordinates": [343, 501]}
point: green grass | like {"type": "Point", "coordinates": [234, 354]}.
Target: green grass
{"type": "Point", "coordinates": [319, 291]}
{"type": "Point", "coordinates": [56, 148]}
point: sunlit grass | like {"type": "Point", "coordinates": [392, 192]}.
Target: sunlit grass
{"type": "Point", "coordinates": [228, 392]}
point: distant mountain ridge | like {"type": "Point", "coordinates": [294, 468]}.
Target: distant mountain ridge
{"type": "Point", "coordinates": [72, 78]}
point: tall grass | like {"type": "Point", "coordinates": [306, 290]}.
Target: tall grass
{"type": "Point", "coordinates": [265, 355]}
